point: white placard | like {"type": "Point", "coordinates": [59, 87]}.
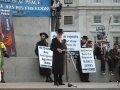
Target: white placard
{"type": "Point", "coordinates": [72, 40]}
{"type": "Point", "coordinates": [45, 56]}
{"type": "Point", "coordinates": [87, 60]}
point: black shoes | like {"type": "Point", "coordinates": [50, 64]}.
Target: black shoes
{"type": "Point", "coordinates": [2, 81]}
{"type": "Point", "coordinates": [61, 84]}
{"type": "Point", "coordinates": [56, 84]}
{"type": "Point", "coordinates": [118, 80]}
{"type": "Point", "coordinates": [87, 81]}
{"type": "Point", "coordinates": [6, 55]}
{"type": "Point", "coordinates": [49, 79]}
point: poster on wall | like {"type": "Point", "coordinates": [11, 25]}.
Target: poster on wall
{"type": "Point", "coordinates": [6, 27]}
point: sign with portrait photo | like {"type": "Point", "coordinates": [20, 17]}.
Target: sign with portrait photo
{"type": "Point", "coordinates": [101, 34]}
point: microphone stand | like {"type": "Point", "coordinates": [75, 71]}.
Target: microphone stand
{"type": "Point", "coordinates": [67, 75]}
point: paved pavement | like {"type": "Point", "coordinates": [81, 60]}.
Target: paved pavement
{"type": "Point", "coordinates": [50, 86]}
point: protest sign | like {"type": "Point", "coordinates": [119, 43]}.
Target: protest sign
{"type": "Point", "coordinates": [87, 60]}
{"type": "Point", "coordinates": [72, 40]}
{"type": "Point", "coordinates": [45, 56]}
{"type": "Point", "coordinates": [101, 34]}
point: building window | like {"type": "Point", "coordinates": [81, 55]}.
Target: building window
{"type": "Point", "coordinates": [116, 40]}
{"type": "Point", "coordinates": [95, 39]}
{"type": "Point", "coordinates": [68, 20]}
{"type": "Point", "coordinates": [97, 19]}
{"type": "Point", "coordinates": [97, 1]}
{"type": "Point", "coordinates": [116, 1]}
{"type": "Point", "coordinates": [68, 1]}
{"type": "Point", "coordinates": [116, 19]}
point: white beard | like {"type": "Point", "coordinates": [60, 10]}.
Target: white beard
{"type": "Point", "coordinates": [60, 39]}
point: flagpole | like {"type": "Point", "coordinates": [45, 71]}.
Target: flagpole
{"type": "Point", "coordinates": [108, 26]}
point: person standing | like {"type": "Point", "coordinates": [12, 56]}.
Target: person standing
{"type": "Point", "coordinates": [59, 49]}
{"type": "Point", "coordinates": [43, 71]}
{"type": "Point", "coordinates": [55, 14]}
{"type": "Point", "coordinates": [83, 76]}
{"type": "Point", "coordinates": [3, 52]}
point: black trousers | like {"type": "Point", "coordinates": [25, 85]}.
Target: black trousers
{"type": "Point", "coordinates": [110, 63]}
{"type": "Point", "coordinates": [58, 78]}
{"type": "Point", "coordinates": [83, 76]}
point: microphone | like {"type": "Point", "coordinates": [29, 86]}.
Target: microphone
{"type": "Point", "coordinates": [70, 85]}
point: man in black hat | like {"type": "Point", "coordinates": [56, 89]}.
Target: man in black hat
{"type": "Point", "coordinates": [83, 76]}
{"type": "Point", "coordinates": [59, 48]}
{"type": "Point", "coordinates": [43, 71]}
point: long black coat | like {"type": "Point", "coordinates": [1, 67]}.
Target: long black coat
{"type": "Point", "coordinates": [59, 59]}
{"type": "Point", "coordinates": [78, 62]}
{"type": "Point", "coordinates": [42, 71]}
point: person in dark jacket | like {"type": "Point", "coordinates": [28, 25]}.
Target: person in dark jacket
{"type": "Point", "coordinates": [114, 55]}
{"type": "Point", "coordinates": [83, 76]}
{"type": "Point", "coordinates": [102, 54]}
{"type": "Point", "coordinates": [55, 14]}
{"type": "Point", "coordinates": [43, 71]}
{"type": "Point", "coordinates": [59, 49]}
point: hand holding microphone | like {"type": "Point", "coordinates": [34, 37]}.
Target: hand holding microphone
{"type": "Point", "coordinates": [59, 50]}
{"type": "Point", "coordinates": [65, 50]}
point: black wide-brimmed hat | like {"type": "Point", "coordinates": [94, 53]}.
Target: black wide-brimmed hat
{"type": "Point", "coordinates": [46, 36]}
{"type": "Point", "coordinates": [85, 37]}
{"type": "Point", "coordinates": [60, 31]}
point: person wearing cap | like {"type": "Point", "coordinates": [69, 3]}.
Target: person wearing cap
{"type": "Point", "coordinates": [55, 14]}
{"type": "Point", "coordinates": [59, 48]}
{"type": "Point", "coordinates": [43, 71]}
{"type": "Point", "coordinates": [83, 76]}
{"type": "Point", "coordinates": [3, 52]}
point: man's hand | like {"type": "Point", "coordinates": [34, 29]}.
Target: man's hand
{"type": "Point", "coordinates": [106, 59]}
{"type": "Point", "coordinates": [66, 50]}
{"type": "Point", "coordinates": [53, 7]}
{"type": "Point", "coordinates": [116, 57]}
{"type": "Point", "coordinates": [59, 50]}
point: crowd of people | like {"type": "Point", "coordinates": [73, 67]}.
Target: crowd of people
{"type": "Point", "coordinates": [112, 57]}
{"type": "Point", "coordinates": [59, 49]}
